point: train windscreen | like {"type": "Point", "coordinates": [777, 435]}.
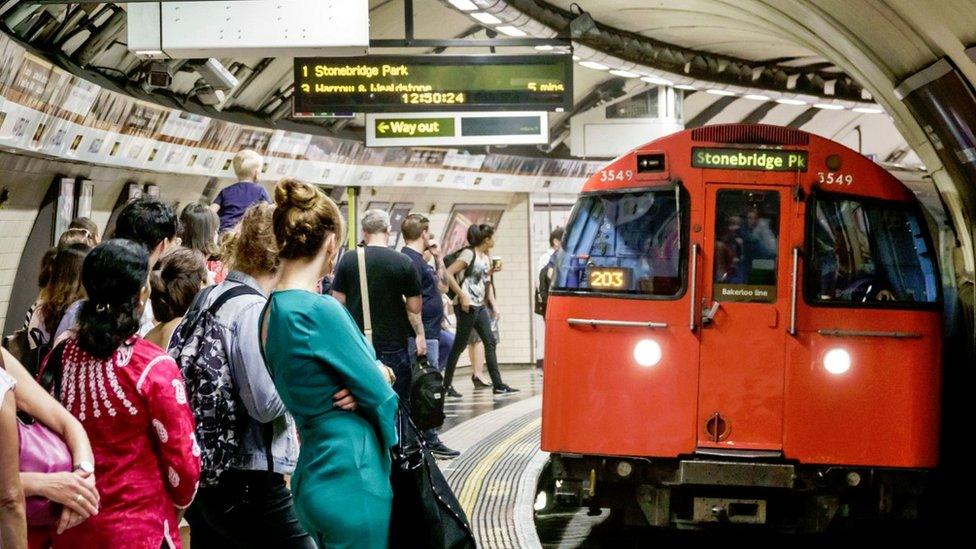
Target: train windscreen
{"type": "Point", "coordinates": [622, 243]}
{"type": "Point", "coordinates": [869, 252]}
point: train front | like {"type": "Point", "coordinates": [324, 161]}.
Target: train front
{"type": "Point", "coordinates": [744, 328]}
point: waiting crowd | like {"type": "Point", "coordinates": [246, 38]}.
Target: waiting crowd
{"type": "Point", "coordinates": [170, 372]}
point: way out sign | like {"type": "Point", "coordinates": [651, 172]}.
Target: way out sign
{"type": "Point", "coordinates": [456, 128]}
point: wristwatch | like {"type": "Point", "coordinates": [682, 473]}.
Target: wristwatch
{"type": "Point", "coordinates": [85, 466]}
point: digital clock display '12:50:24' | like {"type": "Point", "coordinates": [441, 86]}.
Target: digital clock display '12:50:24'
{"type": "Point", "coordinates": [609, 278]}
{"type": "Point", "coordinates": [433, 98]}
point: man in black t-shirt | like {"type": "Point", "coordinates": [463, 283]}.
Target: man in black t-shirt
{"type": "Point", "coordinates": [394, 298]}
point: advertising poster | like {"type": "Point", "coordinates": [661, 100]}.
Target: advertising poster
{"type": "Point", "coordinates": [456, 232]}
{"type": "Point", "coordinates": [397, 215]}
{"type": "Point", "coordinates": [86, 190]}
{"type": "Point", "coordinates": [64, 212]}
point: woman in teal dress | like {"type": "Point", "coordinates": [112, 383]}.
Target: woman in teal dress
{"type": "Point", "coordinates": [313, 349]}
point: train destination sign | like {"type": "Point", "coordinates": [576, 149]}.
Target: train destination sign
{"type": "Point", "coordinates": [749, 159]}
{"type": "Point", "coordinates": [456, 128]}
{"type": "Point", "coordinates": [386, 83]}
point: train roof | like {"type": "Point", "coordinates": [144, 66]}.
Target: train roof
{"type": "Point", "coordinates": [749, 154]}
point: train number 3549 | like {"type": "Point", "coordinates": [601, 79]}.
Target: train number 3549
{"type": "Point", "coordinates": [831, 178]}
{"type": "Point", "coordinates": [616, 175]}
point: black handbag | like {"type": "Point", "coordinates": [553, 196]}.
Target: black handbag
{"type": "Point", "coordinates": [425, 511]}
{"type": "Point", "coordinates": [18, 345]}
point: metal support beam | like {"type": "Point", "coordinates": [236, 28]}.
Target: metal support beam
{"type": "Point", "coordinates": [468, 42]}
{"type": "Point", "coordinates": [759, 113]}
{"type": "Point", "coordinates": [803, 118]}
{"type": "Point", "coordinates": [710, 112]}
{"type": "Point", "coordinates": [408, 19]}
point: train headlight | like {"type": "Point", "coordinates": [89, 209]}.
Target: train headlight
{"type": "Point", "coordinates": [647, 352]}
{"type": "Point", "coordinates": [624, 469]}
{"type": "Point", "coordinates": [837, 361]}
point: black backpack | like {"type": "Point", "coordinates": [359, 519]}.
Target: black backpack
{"type": "Point", "coordinates": [449, 260]}
{"type": "Point", "coordinates": [198, 347]}
{"type": "Point", "coordinates": [426, 395]}
{"type": "Point", "coordinates": [542, 292]}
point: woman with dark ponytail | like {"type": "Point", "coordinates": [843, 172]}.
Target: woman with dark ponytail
{"type": "Point", "coordinates": [129, 396]}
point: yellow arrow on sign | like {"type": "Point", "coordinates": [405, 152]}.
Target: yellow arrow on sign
{"type": "Point", "coordinates": [382, 127]}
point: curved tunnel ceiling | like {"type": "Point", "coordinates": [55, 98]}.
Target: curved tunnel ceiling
{"type": "Point", "coordinates": [91, 36]}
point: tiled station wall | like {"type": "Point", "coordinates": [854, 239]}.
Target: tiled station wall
{"type": "Point", "coordinates": [27, 179]}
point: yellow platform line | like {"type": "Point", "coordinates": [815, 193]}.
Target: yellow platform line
{"type": "Point", "coordinates": [474, 482]}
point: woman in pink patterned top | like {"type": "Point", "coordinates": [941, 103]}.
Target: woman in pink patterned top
{"type": "Point", "coordinates": [129, 395]}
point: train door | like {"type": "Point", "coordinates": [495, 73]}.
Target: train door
{"type": "Point", "coordinates": [744, 314]}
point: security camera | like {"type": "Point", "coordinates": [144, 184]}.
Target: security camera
{"type": "Point", "coordinates": [217, 75]}
{"type": "Point", "coordinates": [159, 75]}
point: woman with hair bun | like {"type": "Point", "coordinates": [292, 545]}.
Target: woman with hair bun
{"type": "Point", "coordinates": [313, 347]}
{"type": "Point", "coordinates": [129, 396]}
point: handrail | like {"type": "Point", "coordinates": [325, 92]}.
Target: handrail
{"type": "Point", "coordinates": [694, 285]}
{"type": "Point", "coordinates": [835, 332]}
{"type": "Point", "coordinates": [793, 290]}
{"type": "Point", "coordinates": [615, 323]}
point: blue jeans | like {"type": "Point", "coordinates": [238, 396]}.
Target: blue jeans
{"type": "Point", "coordinates": [398, 358]}
{"type": "Point", "coordinates": [433, 351]}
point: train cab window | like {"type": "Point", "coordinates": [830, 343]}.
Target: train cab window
{"type": "Point", "coordinates": [746, 245]}
{"type": "Point", "coordinates": [869, 252]}
{"type": "Point", "coordinates": [623, 243]}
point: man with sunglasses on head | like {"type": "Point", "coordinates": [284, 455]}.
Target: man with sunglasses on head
{"type": "Point", "coordinates": [416, 235]}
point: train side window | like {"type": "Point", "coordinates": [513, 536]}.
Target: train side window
{"type": "Point", "coordinates": [869, 252]}
{"type": "Point", "coordinates": [623, 243]}
{"type": "Point", "coordinates": [746, 245]}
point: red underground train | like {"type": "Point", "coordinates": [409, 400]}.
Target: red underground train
{"type": "Point", "coordinates": [744, 327]}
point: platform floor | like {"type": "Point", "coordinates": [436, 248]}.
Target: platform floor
{"type": "Point", "coordinates": [495, 476]}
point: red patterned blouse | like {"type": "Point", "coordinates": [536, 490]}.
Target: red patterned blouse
{"type": "Point", "coordinates": [147, 461]}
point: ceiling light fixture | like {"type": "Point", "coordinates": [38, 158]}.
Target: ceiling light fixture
{"type": "Point", "coordinates": [657, 81]}
{"type": "Point", "coordinates": [829, 106]}
{"type": "Point", "coordinates": [544, 47]}
{"type": "Point", "coordinates": [791, 102]}
{"type": "Point", "coordinates": [463, 5]}
{"type": "Point", "coordinates": [868, 110]}
{"type": "Point", "coordinates": [486, 18]}
{"type": "Point", "coordinates": [756, 97]}
{"type": "Point", "coordinates": [688, 87]}
{"type": "Point", "coordinates": [511, 31]}
{"type": "Point", "coordinates": [594, 65]}
{"type": "Point", "coordinates": [725, 93]}
{"type": "Point", "coordinates": [623, 73]}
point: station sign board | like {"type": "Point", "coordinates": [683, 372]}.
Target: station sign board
{"type": "Point", "coordinates": [385, 83]}
{"type": "Point", "coordinates": [457, 128]}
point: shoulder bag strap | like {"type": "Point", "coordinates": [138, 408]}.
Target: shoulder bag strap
{"type": "Point", "coordinates": [242, 289]}
{"type": "Point", "coordinates": [364, 291]}
{"type": "Point", "coordinates": [50, 378]}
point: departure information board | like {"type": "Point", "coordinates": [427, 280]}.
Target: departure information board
{"type": "Point", "coordinates": [432, 83]}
